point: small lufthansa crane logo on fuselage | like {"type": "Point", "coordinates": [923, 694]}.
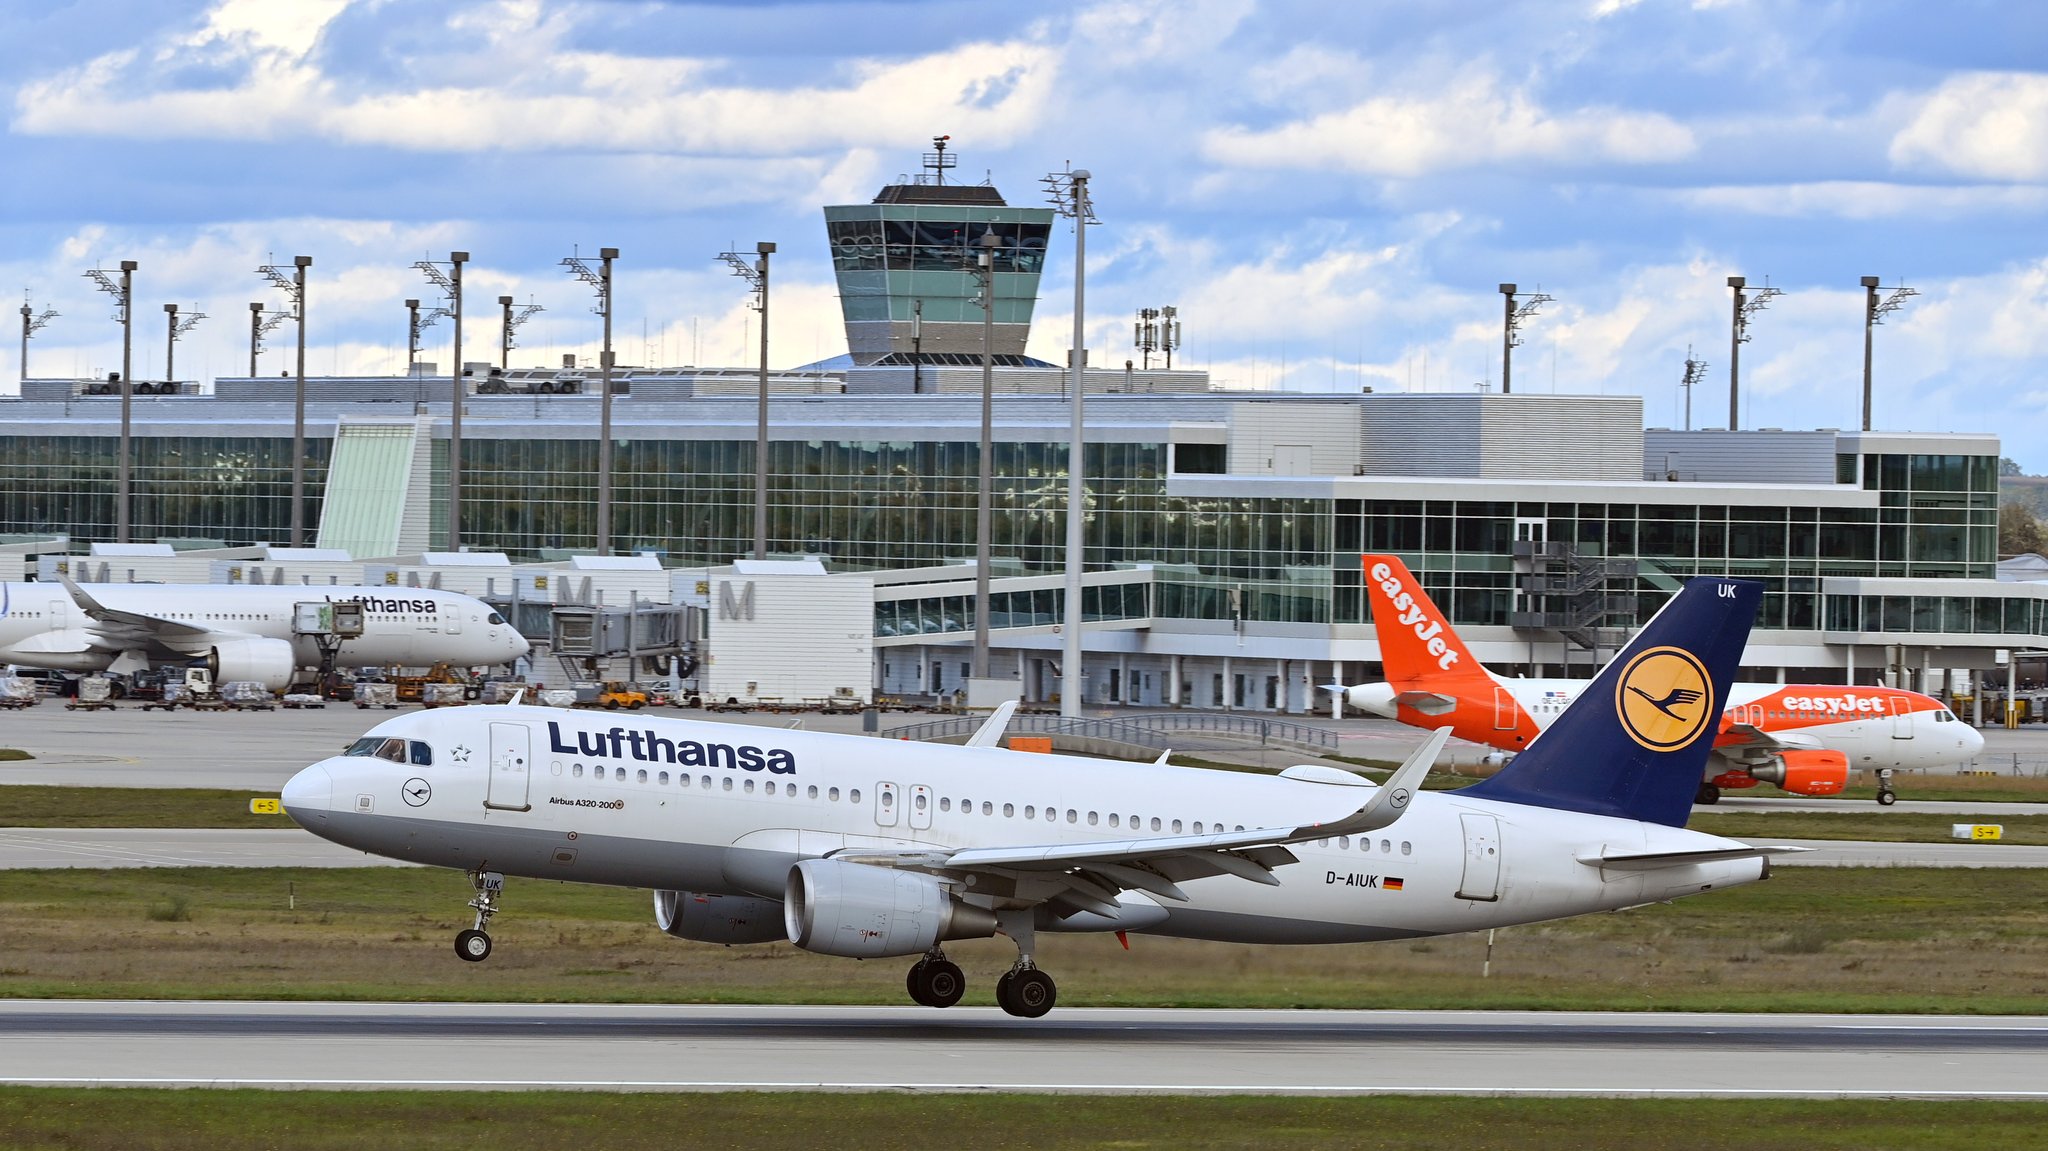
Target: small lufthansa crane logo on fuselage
{"type": "Point", "coordinates": [1664, 698]}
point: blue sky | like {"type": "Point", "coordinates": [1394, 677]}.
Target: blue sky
{"type": "Point", "coordinates": [1329, 193]}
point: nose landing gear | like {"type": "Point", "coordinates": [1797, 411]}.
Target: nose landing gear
{"type": "Point", "coordinates": [474, 945]}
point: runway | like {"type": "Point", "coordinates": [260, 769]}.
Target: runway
{"type": "Point", "coordinates": [716, 1048]}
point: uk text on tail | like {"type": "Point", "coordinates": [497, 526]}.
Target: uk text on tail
{"type": "Point", "coordinates": [1634, 744]}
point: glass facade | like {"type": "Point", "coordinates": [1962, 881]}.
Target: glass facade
{"type": "Point", "coordinates": [872, 504]}
{"type": "Point", "coordinates": [236, 488]}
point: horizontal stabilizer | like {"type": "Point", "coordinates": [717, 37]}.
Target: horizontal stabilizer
{"type": "Point", "coordinates": [1657, 860]}
{"type": "Point", "coordinates": [1428, 702]}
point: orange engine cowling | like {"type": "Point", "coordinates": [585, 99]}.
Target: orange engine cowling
{"type": "Point", "coordinates": [1806, 772]}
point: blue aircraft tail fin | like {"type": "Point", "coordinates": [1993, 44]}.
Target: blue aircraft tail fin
{"type": "Point", "coordinates": [1635, 743]}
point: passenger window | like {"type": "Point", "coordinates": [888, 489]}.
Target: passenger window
{"type": "Point", "coordinates": [422, 755]}
{"type": "Point", "coordinates": [704, 781]}
{"type": "Point", "coordinates": [1009, 809]}
{"type": "Point", "coordinates": [1198, 823]}
{"type": "Point", "coordinates": [1176, 823]}
{"type": "Point", "coordinates": [1155, 819]}
{"type": "Point", "coordinates": [575, 769]}
{"type": "Point", "coordinates": [945, 802]}
{"type": "Point", "coordinates": [1030, 809]}
{"type": "Point", "coordinates": [620, 775]}
{"type": "Point", "coordinates": [663, 778]}
{"type": "Point", "coordinates": [1406, 847]}
{"type": "Point", "coordinates": [1091, 815]}
{"type": "Point", "coordinates": [750, 783]}
{"type": "Point", "coordinates": [814, 787]}
{"type": "Point", "coordinates": [853, 795]}
{"type": "Point", "coordinates": [920, 801]}
{"type": "Point", "coordinates": [1343, 841]}
{"type": "Point", "coordinates": [1386, 845]}
{"type": "Point", "coordinates": [728, 779]}
{"type": "Point", "coordinates": [1072, 815]}
{"type": "Point", "coordinates": [987, 807]}
{"type": "Point", "coordinates": [834, 793]}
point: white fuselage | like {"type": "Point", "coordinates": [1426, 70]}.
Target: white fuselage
{"type": "Point", "coordinates": [41, 625]}
{"type": "Point", "coordinates": [1867, 727]}
{"type": "Point", "coordinates": [551, 794]}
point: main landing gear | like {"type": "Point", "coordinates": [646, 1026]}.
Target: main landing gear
{"type": "Point", "coordinates": [474, 944]}
{"type": "Point", "coordinates": [1707, 794]}
{"type": "Point", "coordinates": [935, 981]}
{"type": "Point", "coordinates": [1023, 990]}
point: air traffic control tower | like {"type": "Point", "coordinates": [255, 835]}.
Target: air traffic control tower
{"type": "Point", "coordinates": [906, 266]}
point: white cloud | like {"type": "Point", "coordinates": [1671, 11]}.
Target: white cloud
{"type": "Point", "coordinates": [1473, 122]}
{"type": "Point", "coordinates": [1988, 125]}
{"type": "Point", "coordinates": [537, 96]}
{"type": "Point", "coordinates": [1865, 200]}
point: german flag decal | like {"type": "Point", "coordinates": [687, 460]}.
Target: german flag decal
{"type": "Point", "coordinates": [1391, 883]}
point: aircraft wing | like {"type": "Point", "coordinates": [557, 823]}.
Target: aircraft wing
{"type": "Point", "coordinates": [1746, 742]}
{"type": "Point", "coordinates": [116, 629]}
{"type": "Point", "coordinates": [1088, 876]}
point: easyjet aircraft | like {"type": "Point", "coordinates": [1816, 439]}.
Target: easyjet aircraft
{"type": "Point", "coordinates": [1802, 737]}
{"type": "Point", "coordinates": [867, 848]}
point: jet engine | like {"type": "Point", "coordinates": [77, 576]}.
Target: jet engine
{"type": "Point", "coordinates": [718, 918]}
{"type": "Point", "coordinates": [269, 662]}
{"type": "Point", "coordinates": [864, 912]}
{"type": "Point", "coordinates": [1806, 772]}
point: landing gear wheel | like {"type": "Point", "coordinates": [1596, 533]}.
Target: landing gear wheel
{"type": "Point", "coordinates": [1707, 794]}
{"type": "Point", "coordinates": [912, 982]}
{"type": "Point", "coordinates": [1026, 994]}
{"type": "Point", "coordinates": [940, 983]}
{"type": "Point", "coordinates": [473, 945]}
{"type": "Point", "coordinates": [1887, 797]}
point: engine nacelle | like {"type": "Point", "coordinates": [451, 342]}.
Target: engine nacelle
{"type": "Point", "coordinates": [863, 912]}
{"type": "Point", "coordinates": [269, 662]}
{"type": "Point", "coordinates": [718, 918]}
{"type": "Point", "coordinates": [1806, 772]}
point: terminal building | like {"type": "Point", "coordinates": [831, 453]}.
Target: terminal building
{"type": "Point", "coordinates": [1223, 528]}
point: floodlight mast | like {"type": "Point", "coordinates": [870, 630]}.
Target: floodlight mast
{"type": "Point", "coordinates": [1695, 371]}
{"type": "Point", "coordinates": [984, 270]}
{"type": "Point", "coordinates": [177, 324]}
{"type": "Point", "coordinates": [31, 323]}
{"type": "Point", "coordinates": [261, 324]}
{"type": "Point", "coordinates": [1744, 308]}
{"type": "Point", "coordinates": [1511, 327]}
{"type": "Point", "coordinates": [1069, 194]}
{"type": "Point", "coordinates": [294, 287]}
{"type": "Point", "coordinates": [450, 283]}
{"type": "Point", "coordinates": [123, 292]}
{"type": "Point", "coordinates": [755, 273]}
{"type": "Point", "coordinates": [1874, 313]}
{"type": "Point", "coordinates": [600, 279]}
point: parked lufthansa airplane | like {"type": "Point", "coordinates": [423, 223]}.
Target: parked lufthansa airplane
{"type": "Point", "coordinates": [243, 632]}
{"type": "Point", "coordinates": [1802, 737]}
{"type": "Point", "coordinates": [853, 846]}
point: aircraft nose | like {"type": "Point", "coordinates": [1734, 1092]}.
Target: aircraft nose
{"type": "Point", "coordinates": [309, 792]}
{"type": "Point", "coordinates": [1973, 740]}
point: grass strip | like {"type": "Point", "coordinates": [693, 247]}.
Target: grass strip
{"type": "Point", "coordinates": [1811, 939]}
{"type": "Point", "coordinates": [1895, 827]}
{"type": "Point", "coordinates": [39, 805]}
{"type": "Point", "coordinates": [247, 1120]}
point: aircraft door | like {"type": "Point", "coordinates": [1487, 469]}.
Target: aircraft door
{"type": "Point", "coordinates": [509, 768]}
{"type": "Point", "coordinates": [886, 803]}
{"type": "Point", "coordinates": [1902, 719]}
{"type": "Point", "coordinates": [920, 806]}
{"type": "Point", "coordinates": [1481, 880]}
{"type": "Point", "coordinates": [1503, 710]}
{"type": "Point", "coordinates": [451, 618]}
{"type": "Point", "coordinates": [59, 617]}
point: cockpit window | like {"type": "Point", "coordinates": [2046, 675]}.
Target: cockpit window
{"type": "Point", "coordinates": [422, 755]}
{"type": "Point", "coordinates": [388, 747]}
{"type": "Point", "coordinates": [494, 617]}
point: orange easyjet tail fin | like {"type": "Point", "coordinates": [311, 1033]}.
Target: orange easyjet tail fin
{"type": "Point", "coordinates": [1416, 641]}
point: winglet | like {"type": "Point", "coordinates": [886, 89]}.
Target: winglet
{"type": "Point", "coordinates": [1390, 802]}
{"type": "Point", "coordinates": [990, 733]}
{"type": "Point", "coordinates": [516, 699]}
{"type": "Point", "coordinates": [90, 606]}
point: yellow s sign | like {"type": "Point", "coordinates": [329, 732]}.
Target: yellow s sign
{"type": "Point", "coordinates": [264, 807]}
{"type": "Point", "coordinates": [1664, 698]}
